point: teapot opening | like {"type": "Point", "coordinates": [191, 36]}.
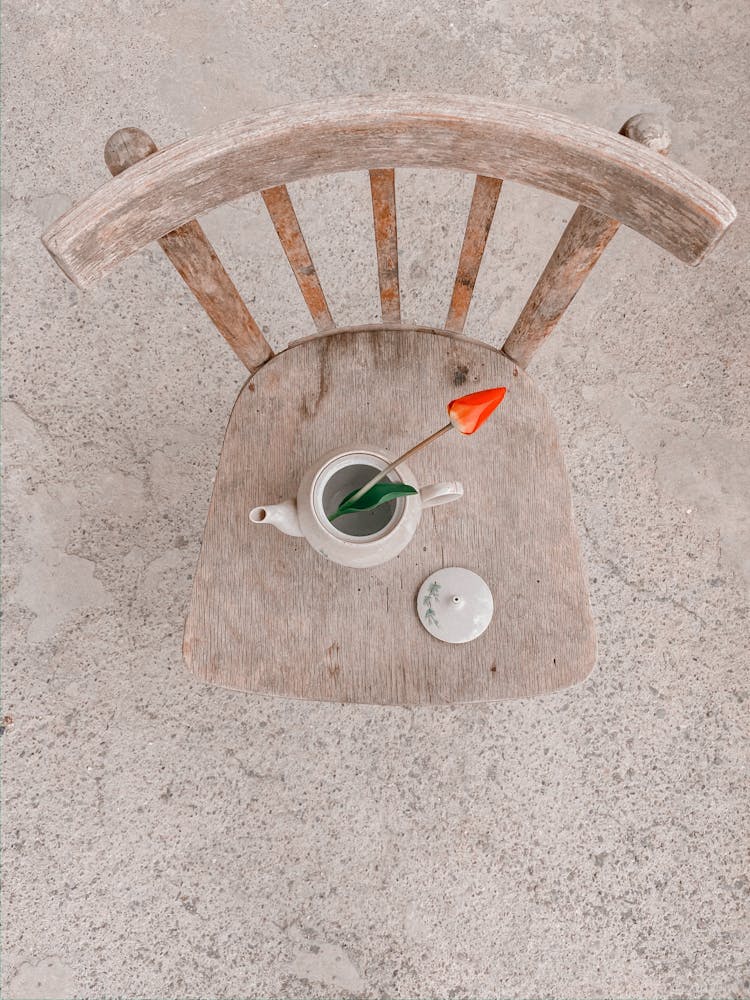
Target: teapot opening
{"type": "Point", "coordinates": [361, 523]}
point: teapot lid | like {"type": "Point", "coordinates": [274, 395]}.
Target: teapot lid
{"type": "Point", "coordinates": [455, 605]}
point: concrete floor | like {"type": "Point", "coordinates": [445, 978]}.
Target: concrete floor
{"type": "Point", "coordinates": [163, 839]}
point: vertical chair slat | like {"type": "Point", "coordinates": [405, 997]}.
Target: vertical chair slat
{"type": "Point", "coordinates": [197, 263]}
{"type": "Point", "coordinates": [383, 190]}
{"type": "Point", "coordinates": [580, 247]}
{"type": "Point", "coordinates": [481, 214]}
{"type": "Point", "coordinates": [284, 218]}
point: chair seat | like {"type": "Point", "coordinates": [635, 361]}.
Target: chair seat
{"type": "Point", "coordinates": [270, 615]}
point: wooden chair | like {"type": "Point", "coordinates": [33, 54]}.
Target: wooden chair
{"type": "Point", "coordinates": [267, 613]}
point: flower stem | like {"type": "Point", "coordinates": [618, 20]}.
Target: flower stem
{"type": "Point", "coordinates": [402, 458]}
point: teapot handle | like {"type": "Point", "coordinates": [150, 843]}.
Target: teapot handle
{"type": "Point", "coordinates": [440, 493]}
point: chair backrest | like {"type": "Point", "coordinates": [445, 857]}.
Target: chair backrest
{"type": "Point", "coordinates": [615, 179]}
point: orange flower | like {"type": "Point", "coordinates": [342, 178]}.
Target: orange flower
{"type": "Point", "coordinates": [470, 412]}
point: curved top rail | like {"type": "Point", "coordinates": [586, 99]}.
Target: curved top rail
{"type": "Point", "coordinates": [590, 165]}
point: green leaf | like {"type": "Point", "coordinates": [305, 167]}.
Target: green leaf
{"type": "Point", "coordinates": [378, 494]}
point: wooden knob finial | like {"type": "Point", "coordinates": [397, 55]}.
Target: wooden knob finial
{"type": "Point", "coordinates": [126, 147]}
{"type": "Point", "coordinates": [650, 131]}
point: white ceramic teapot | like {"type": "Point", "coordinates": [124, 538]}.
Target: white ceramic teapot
{"type": "Point", "coordinates": [361, 538]}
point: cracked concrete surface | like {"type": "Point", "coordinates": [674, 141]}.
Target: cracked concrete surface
{"type": "Point", "coordinates": [162, 839]}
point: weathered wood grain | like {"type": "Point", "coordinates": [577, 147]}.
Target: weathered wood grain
{"type": "Point", "coordinates": [580, 247]}
{"type": "Point", "coordinates": [383, 190]}
{"type": "Point", "coordinates": [196, 261]}
{"type": "Point", "coordinates": [481, 214]}
{"type": "Point", "coordinates": [592, 166]}
{"type": "Point", "coordinates": [268, 614]}
{"type": "Point", "coordinates": [287, 226]}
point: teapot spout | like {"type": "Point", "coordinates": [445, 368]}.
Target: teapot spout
{"type": "Point", "coordinates": [281, 515]}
